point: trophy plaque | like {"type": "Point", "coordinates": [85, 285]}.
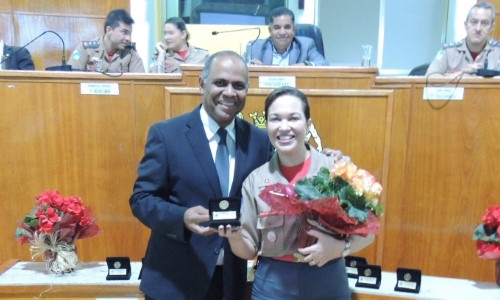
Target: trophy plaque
{"type": "Point", "coordinates": [352, 263]}
{"type": "Point", "coordinates": [224, 211]}
{"type": "Point", "coordinates": [408, 280]}
{"type": "Point", "coordinates": [369, 276]}
{"type": "Point", "coordinates": [118, 268]}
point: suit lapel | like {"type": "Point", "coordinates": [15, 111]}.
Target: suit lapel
{"type": "Point", "coordinates": [294, 52]}
{"type": "Point", "coordinates": [242, 144]}
{"type": "Point", "coordinates": [268, 52]}
{"type": "Point", "coordinates": [197, 140]}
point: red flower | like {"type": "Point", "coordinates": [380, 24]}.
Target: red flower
{"type": "Point", "coordinates": [50, 198]}
{"type": "Point", "coordinates": [64, 216]}
{"type": "Point", "coordinates": [488, 250]}
{"type": "Point", "coordinates": [487, 234]}
{"type": "Point", "coordinates": [492, 216]}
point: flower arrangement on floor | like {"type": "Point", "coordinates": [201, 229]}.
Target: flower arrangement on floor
{"type": "Point", "coordinates": [342, 200]}
{"type": "Point", "coordinates": [53, 227]}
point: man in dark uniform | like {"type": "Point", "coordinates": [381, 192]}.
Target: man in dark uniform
{"type": "Point", "coordinates": [112, 52]}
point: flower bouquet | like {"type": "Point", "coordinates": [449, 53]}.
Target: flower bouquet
{"type": "Point", "coordinates": [487, 235]}
{"type": "Point", "coordinates": [53, 227]}
{"type": "Point", "coordinates": [488, 239]}
{"type": "Point", "coordinates": [340, 201]}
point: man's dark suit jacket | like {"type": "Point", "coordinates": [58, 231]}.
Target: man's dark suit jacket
{"type": "Point", "coordinates": [303, 49]}
{"type": "Point", "coordinates": [178, 172]}
{"type": "Point", "coordinates": [20, 60]}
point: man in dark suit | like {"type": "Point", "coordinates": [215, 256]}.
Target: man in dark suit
{"type": "Point", "coordinates": [283, 47]}
{"type": "Point", "coordinates": [15, 58]}
{"type": "Point", "coordinates": [177, 176]}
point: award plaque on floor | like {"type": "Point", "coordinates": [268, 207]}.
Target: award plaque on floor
{"type": "Point", "coordinates": [118, 268]}
{"type": "Point", "coordinates": [369, 276]}
{"type": "Point", "coordinates": [224, 211]}
{"type": "Point", "coordinates": [352, 263]}
{"type": "Point", "coordinates": [408, 280]}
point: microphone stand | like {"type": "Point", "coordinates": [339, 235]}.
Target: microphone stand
{"type": "Point", "coordinates": [247, 56]}
{"type": "Point", "coordinates": [63, 67]}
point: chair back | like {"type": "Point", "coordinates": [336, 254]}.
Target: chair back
{"type": "Point", "coordinates": [311, 31]}
{"type": "Point", "coordinates": [419, 70]}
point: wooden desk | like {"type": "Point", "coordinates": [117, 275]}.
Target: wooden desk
{"type": "Point", "coordinates": [305, 77]}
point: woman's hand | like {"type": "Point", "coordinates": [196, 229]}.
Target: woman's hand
{"type": "Point", "coordinates": [239, 245]}
{"type": "Point", "coordinates": [325, 249]}
{"type": "Point", "coordinates": [160, 47]}
{"type": "Point", "coordinates": [230, 232]}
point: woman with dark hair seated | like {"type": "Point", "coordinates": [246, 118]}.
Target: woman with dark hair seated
{"type": "Point", "coordinates": [175, 49]}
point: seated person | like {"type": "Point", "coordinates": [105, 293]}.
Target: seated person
{"type": "Point", "coordinates": [15, 58]}
{"type": "Point", "coordinates": [476, 51]}
{"type": "Point", "coordinates": [112, 52]}
{"type": "Point", "coordinates": [283, 48]}
{"type": "Point", "coordinates": [176, 50]}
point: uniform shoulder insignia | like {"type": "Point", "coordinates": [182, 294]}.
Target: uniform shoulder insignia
{"type": "Point", "coordinates": [91, 44]}
{"type": "Point", "coordinates": [494, 43]}
{"type": "Point", "coordinates": [131, 46]}
{"type": "Point", "coordinates": [453, 45]}
{"type": "Point", "coordinates": [201, 49]}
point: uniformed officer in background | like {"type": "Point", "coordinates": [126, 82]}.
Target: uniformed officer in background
{"type": "Point", "coordinates": [112, 52]}
{"type": "Point", "coordinates": [476, 51]}
{"type": "Point", "coordinates": [175, 49]}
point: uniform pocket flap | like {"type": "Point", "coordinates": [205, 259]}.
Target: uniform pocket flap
{"type": "Point", "coordinates": [270, 221]}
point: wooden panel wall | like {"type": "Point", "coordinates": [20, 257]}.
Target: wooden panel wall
{"type": "Point", "coordinates": [23, 20]}
{"type": "Point", "coordinates": [443, 175]}
{"type": "Point", "coordinates": [81, 145]}
{"type": "Point", "coordinates": [440, 173]}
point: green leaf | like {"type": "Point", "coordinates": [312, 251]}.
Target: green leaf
{"type": "Point", "coordinates": [306, 190]}
{"type": "Point", "coordinates": [480, 234]}
{"type": "Point", "coordinates": [20, 232]}
{"type": "Point", "coordinates": [347, 194]}
{"type": "Point", "coordinates": [360, 214]}
{"type": "Point", "coordinates": [31, 221]}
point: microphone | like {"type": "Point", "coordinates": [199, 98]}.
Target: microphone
{"type": "Point", "coordinates": [248, 49]}
{"type": "Point", "coordinates": [234, 30]}
{"type": "Point", "coordinates": [63, 67]}
{"type": "Point", "coordinates": [485, 72]}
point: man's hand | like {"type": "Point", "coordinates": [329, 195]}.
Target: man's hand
{"type": "Point", "coordinates": [256, 61]}
{"type": "Point", "coordinates": [196, 215]}
{"type": "Point", "coordinates": [336, 154]}
{"type": "Point", "coordinates": [472, 68]}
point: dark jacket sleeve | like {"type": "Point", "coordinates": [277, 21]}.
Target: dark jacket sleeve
{"type": "Point", "coordinates": [20, 59]}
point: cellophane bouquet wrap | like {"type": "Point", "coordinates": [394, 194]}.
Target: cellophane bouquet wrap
{"type": "Point", "coordinates": [52, 228]}
{"type": "Point", "coordinates": [340, 201]}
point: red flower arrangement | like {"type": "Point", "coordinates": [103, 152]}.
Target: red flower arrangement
{"type": "Point", "coordinates": [340, 201]}
{"type": "Point", "coordinates": [487, 234]}
{"type": "Point", "coordinates": [52, 228]}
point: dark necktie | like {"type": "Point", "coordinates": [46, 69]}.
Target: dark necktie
{"type": "Point", "coordinates": [222, 162]}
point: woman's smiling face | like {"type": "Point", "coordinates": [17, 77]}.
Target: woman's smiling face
{"type": "Point", "coordinates": [287, 125]}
